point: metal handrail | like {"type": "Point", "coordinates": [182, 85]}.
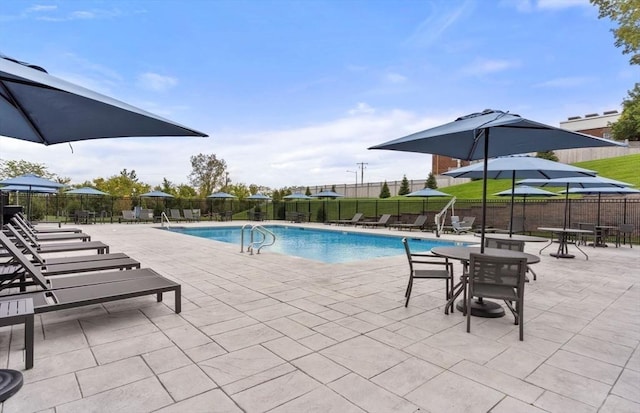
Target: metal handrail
{"type": "Point", "coordinates": [262, 243]}
{"type": "Point", "coordinates": [441, 217]}
{"type": "Point", "coordinates": [163, 218]}
{"type": "Point", "coordinates": [242, 235]}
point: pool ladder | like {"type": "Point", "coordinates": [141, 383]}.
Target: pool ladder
{"type": "Point", "coordinates": [164, 218]}
{"type": "Point", "coordinates": [254, 244]}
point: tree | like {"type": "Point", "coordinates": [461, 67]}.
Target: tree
{"type": "Point", "coordinates": [384, 192]}
{"type": "Point", "coordinates": [13, 168]}
{"type": "Point", "coordinates": [307, 192]}
{"type": "Point", "coordinates": [627, 14]}
{"type": "Point", "coordinates": [207, 173]}
{"type": "Point", "coordinates": [404, 186]}
{"type": "Point", "coordinates": [628, 124]}
{"type": "Point", "coordinates": [431, 182]}
{"type": "Point", "coordinates": [549, 155]}
{"type": "Point", "coordinates": [124, 185]}
{"type": "Point", "coordinates": [333, 188]}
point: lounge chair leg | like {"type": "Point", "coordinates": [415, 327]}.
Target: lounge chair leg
{"type": "Point", "coordinates": [159, 297]}
{"type": "Point", "coordinates": [178, 299]}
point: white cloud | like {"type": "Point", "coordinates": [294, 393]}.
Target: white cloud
{"type": "Point", "coordinates": [361, 108]}
{"type": "Point", "coordinates": [396, 78]}
{"type": "Point", "coordinates": [318, 154]}
{"type": "Point", "coordinates": [437, 23]}
{"type": "Point", "coordinates": [482, 66]}
{"type": "Point", "coordinates": [156, 82]}
{"type": "Point", "coordinates": [40, 8]}
{"type": "Point", "coordinates": [531, 5]}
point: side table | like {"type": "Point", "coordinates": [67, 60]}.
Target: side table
{"type": "Point", "coordinates": [16, 311]}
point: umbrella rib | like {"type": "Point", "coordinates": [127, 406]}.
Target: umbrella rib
{"type": "Point", "coordinates": [12, 101]}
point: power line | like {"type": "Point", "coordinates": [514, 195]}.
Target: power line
{"type": "Point", "coordinates": [362, 166]}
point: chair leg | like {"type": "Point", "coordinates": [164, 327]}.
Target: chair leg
{"type": "Point", "coordinates": [467, 308]}
{"type": "Point", "coordinates": [520, 319]}
{"type": "Point", "coordinates": [535, 277]}
{"type": "Point", "coordinates": [408, 294]}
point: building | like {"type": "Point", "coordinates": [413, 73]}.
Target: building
{"type": "Point", "coordinates": [592, 124]}
{"type": "Point", "coordinates": [441, 164]}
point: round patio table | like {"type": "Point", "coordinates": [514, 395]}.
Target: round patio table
{"type": "Point", "coordinates": [479, 307]}
{"type": "Point", "coordinates": [563, 241]}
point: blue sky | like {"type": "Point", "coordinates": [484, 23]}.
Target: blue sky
{"type": "Point", "coordinates": [294, 92]}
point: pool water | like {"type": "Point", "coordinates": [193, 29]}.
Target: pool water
{"type": "Point", "coordinates": [321, 245]}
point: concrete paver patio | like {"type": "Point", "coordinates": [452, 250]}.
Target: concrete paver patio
{"type": "Point", "coordinates": [274, 333]}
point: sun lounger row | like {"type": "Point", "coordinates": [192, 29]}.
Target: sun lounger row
{"type": "Point", "coordinates": [69, 282]}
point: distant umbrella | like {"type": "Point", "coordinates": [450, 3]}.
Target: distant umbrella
{"type": "Point", "coordinates": [221, 195]}
{"type": "Point", "coordinates": [86, 190]}
{"type": "Point", "coordinates": [524, 191]}
{"type": "Point", "coordinates": [327, 194]}
{"type": "Point", "coordinates": [579, 182]}
{"type": "Point", "coordinates": [297, 195]}
{"type": "Point", "coordinates": [157, 194]}
{"type": "Point", "coordinates": [427, 193]}
{"type": "Point", "coordinates": [603, 190]}
{"type": "Point", "coordinates": [30, 181]}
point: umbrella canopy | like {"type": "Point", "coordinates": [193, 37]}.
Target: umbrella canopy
{"type": "Point", "coordinates": [512, 167]}
{"type": "Point", "coordinates": [297, 195]}
{"type": "Point", "coordinates": [576, 182]}
{"type": "Point", "coordinates": [523, 191]}
{"type": "Point", "coordinates": [259, 197]}
{"type": "Point", "coordinates": [612, 190]}
{"type": "Point", "coordinates": [327, 194]}
{"type": "Point", "coordinates": [31, 180]}
{"type": "Point", "coordinates": [490, 134]}
{"type": "Point", "coordinates": [221, 195]}
{"type": "Point", "coordinates": [23, 188]}
{"type": "Point", "coordinates": [38, 107]}
{"type": "Point", "coordinates": [427, 193]}
{"type": "Point", "coordinates": [157, 194]}
{"type": "Point", "coordinates": [86, 190]}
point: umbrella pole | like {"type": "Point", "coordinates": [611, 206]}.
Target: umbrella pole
{"type": "Point", "coordinates": [513, 195]}
{"type": "Point", "coordinates": [566, 207]}
{"type": "Point", "coordinates": [484, 188]}
{"type": "Point", "coordinates": [598, 221]}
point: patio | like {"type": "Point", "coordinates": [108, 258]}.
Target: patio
{"type": "Point", "coordinates": [282, 334]}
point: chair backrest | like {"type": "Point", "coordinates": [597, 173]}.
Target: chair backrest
{"type": "Point", "coordinates": [146, 214]}
{"type": "Point", "coordinates": [175, 214]}
{"type": "Point", "coordinates": [188, 213]}
{"type": "Point", "coordinates": [455, 219]}
{"type": "Point", "coordinates": [420, 220]}
{"type": "Point", "coordinates": [517, 224]}
{"type": "Point", "coordinates": [357, 217]}
{"type": "Point", "coordinates": [384, 218]}
{"type": "Point", "coordinates": [196, 213]}
{"type": "Point", "coordinates": [128, 214]}
{"type": "Point", "coordinates": [23, 261]}
{"type": "Point", "coordinates": [28, 234]}
{"type": "Point", "coordinates": [493, 270]}
{"type": "Point", "coordinates": [468, 221]}
{"type": "Point", "coordinates": [407, 250]}
{"type": "Point", "coordinates": [25, 244]}
{"type": "Point", "coordinates": [504, 244]}
{"type": "Point", "coordinates": [625, 228]}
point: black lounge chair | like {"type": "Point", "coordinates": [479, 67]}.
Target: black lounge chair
{"type": "Point", "coordinates": [89, 289]}
{"type": "Point", "coordinates": [45, 230]}
{"type": "Point", "coordinates": [419, 223]}
{"type": "Point", "coordinates": [357, 217]}
{"type": "Point", "coordinates": [99, 246]}
{"type": "Point", "coordinates": [382, 222]}
{"type": "Point", "coordinates": [21, 272]}
{"type": "Point", "coordinates": [49, 237]}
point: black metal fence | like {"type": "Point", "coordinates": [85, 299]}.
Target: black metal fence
{"type": "Point", "coordinates": [537, 212]}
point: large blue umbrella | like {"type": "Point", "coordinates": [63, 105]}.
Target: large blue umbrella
{"type": "Point", "coordinates": [427, 193]}
{"type": "Point", "coordinates": [297, 195]}
{"type": "Point", "coordinates": [327, 194]}
{"type": "Point", "coordinates": [221, 195]}
{"type": "Point", "coordinates": [489, 134]}
{"type": "Point", "coordinates": [512, 167]}
{"type": "Point", "coordinates": [575, 182]}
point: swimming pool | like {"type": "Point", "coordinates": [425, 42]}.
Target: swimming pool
{"type": "Point", "coordinates": [321, 245]}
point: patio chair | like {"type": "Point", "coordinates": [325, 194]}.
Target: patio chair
{"type": "Point", "coordinates": [49, 237]}
{"type": "Point", "coordinates": [499, 278]}
{"type": "Point", "coordinates": [382, 222]}
{"type": "Point", "coordinates": [429, 267]}
{"type": "Point", "coordinates": [175, 215]}
{"type": "Point", "coordinates": [357, 217]}
{"type": "Point", "coordinates": [89, 289]}
{"type": "Point", "coordinates": [460, 227]}
{"type": "Point", "coordinates": [509, 244]}
{"type": "Point", "coordinates": [100, 247]}
{"type": "Point", "coordinates": [624, 231]}
{"type": "Point", "coordinates": [419, 223]}
{"type": "Point", "coordinates": [128, 216]}
{"type": "Point", "coordinates": [21, 272]}
{"type": "Point", "coordinates": [188, 215]}
{"type": "Point", "coordinates": [146, 215]}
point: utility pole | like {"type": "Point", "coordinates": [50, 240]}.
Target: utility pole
{"type": "Point", "coordinates": [362, 166]}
